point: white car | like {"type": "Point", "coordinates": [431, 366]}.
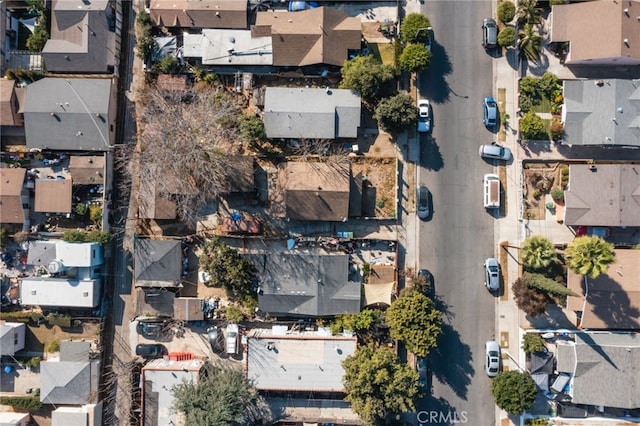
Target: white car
{"type": "Point", "coordinates": [492, 274]}
{"type": "Point", "coordinates": [492, 363]}
{"type": "Point", "coordinates": [424, 116]}
{"type": "Point", "coordinates": [495, 151]}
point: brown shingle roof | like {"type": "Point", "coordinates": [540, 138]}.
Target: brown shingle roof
{"type": "Point", "coordinates": [317, 191]}
{"type": "Point", "coordinates": [613, 299]}
{"type": "Point", "coordinates": [87, 170]}
{"type": "Point", "coordinates": [576, 22]}
{"type": "Point", "coordinates": [53, 196]}
{"type": "Point", "coordinates": [11, 182]}
{"type": "Point", "coordinates": [315, 36]}
{"type": "Point", "coordinates": [199, 13]}
{"type": "Point", "coordinates": [9, 105]}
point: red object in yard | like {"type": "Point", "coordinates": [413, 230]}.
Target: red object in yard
{"type": "Point", "coordinates": [181, 356]}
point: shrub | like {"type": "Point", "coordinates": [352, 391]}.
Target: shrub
{"type": "Point", "coordinates": [415, 57]}
{"type": "Point", "coordinates": [506, 12]}
{"type": "Point", "coordinates": [27, 403]}
{"type": "Point", "coordinates": [167, 65]}
{"type": "Point", "coordinates": [39, 37]}
{"type": "Point", "coordinates": [234, 315]}
{"type": "Point", "coordinates": [74, 236]}
{"type": "Point", "coordinates": [53, 347]}
{"type": "Point", "coordinates": [143, 18]}
{"type": "Point", "coordinates": [10, 75]}
{"type": "Point", "coordinates": [507, 36]}
{"type": "Point", "coordinates": [95, 213]}
{"type": "Point", "coordinates": [537, 194]}
{"type": "Point", "coordinates": [396, 113]}
{"type": "Point", "coordinates": [81, 209]}
{"type": "Point", "coordinates": [532, 127]}
{"type": "Point", "coordinates": [411, 26]}
{"type": "Point", "coordinates": [252, 128]}
{"type": "Point", "coordinates": [530, 300]}
{"type": "Point", "coordinates": [33, 362]}
{"type": "Point", "coordinates": [532, 342]}
{"type": "Point", "coordinates": [556, 130]}
{"type": "Point", "coordinates": [4, 237]}
{"type": "Point", "coordinates": [60, 320]}
{"type": "Point", "coordinates": [557, 194]}
{"type": "Point", "coordinates": [97, 236]}
{"type": "Point", "coordinates": [539, 421]}
{"type": "Point", "coordinates": [210, 78]}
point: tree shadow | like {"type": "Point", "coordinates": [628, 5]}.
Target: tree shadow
{"type": "Point", "coordinates": [610, 302]}
{"type": "Point", "coordinates": [513, 59]}
{"type": "Point", "coordinates": [539, 67]}
{"type": "Point", "coordinates": [451, 361]}
{"type": "Point", "coordinates": [437, 90]}
{"type": "Point", "coordinates": [430, 155]}
{"type": "Point", "coordinates": [553, 318]}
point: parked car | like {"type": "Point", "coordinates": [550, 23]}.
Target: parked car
{"type": "Point", "coordinates": [233, 339]}
{"type": "Point", "coordinates": [425, 275]}
{"type": "Point", "coordinates": [429, 43]}
{"type": "Point", "coordinates": [491, 191]}
{"type": "Point", "coordinates": [424, 116]}
{"type": "Point", "coordinates": [489, 33]}
{"type": "Point", "coordinates": [423, 370]}
{"type": "Point", "coordinates": [215, 338]}
{"type": "Point", "coordinates": [495, 151]}
{"type": "Point", "coordinates": [424, 206]}
{"type": "Point", "coordinates": [492, 363]}
{"type": "Point", "coordinates": [150, 350]}
{"type": "Point", "coordinates": [492, 274]}
{"type": "Point", "coordinates": [151, 329]}
{"type": "Point", "coordinates": [489, 112]}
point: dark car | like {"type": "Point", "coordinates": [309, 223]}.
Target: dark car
{"type": "Point", "coordinates": [150, 329]}
{"type": "Point", "coordinates": [424, 206]}
{"type": "Point", "coordinates": [216, 339]}
{"type": "Point", "coordinates": [150, 350]}
{"type": "Point", "coordinates": [426, 281]}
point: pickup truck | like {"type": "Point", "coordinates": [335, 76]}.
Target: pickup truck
{"type": "Point", "coordinates": [232, 339]}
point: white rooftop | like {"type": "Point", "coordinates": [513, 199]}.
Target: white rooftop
{"type": "Point", "coordinates": [228, 47]}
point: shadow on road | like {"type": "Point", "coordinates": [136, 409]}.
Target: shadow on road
{"type": "Point", "coordinates": [430, 155]}
{"type": "Point", "coordinates": [437, 89]}
{"type": "Point", "coordinates": [451, 361]}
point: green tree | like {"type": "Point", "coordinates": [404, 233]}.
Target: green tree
{"type": "Point", "coordinates": [547, 84]}
{"type": "Point", "coordinates": [514, 391]}
{"type": "Point", "coordinates": [98, 236]}
{"type": "Point", "coordinates": [252, 128]}
{"type": "Point", "coordinates": [507, 36]}
{"type": "Point", "coordinates": [227, 268]}
{"type": "Point", "coordinates": [506, 11]}
{"type": "Point", "coordinates": [415, 57]}
{"type": "Point", "coordinates": [81, 209]}
{"type": "Point", "coordinates": [530, 43]}
{"type": "Point", "coordinates": [74, 236]}
{"type": "Point", "coordinates": [378, 385]}
{"type": "Point", "coordinates": [40, 35]}
{"type": "Point", "coordinates": [528, 12]}
{"type": "Point", "coordinates": [413, 28]}
{"type": "Point", "coordinates": [369, 77]}
{"type": "Point", "coordinates": [537, 253]}
{"type": "Point", "coordinates": [361, 322]}
{"type": "Point", "coordinates": [95, 213]}
{"type": "Point", "coordinates": [396, 113]}
{"type": "Point", "coordinates": [531, 301]}
{"type": "Point", "coordinates": [532, 127]}
{"type": "Point", "coordinates": [532, 342]}
{"type": "Point", "coordinates": [222, 396]}
{"type": "Point", "coordinates": [234, 315]}
{"type": "Point", "coordinates": [414, 319]}
{"type": "Point", "coordinates": [545, 284]}
{"type": "Point", "coordinates": [538, 421]}
{"type": "Point", "coordinates": [589, 255]}
{"type": "Point", "coordinates": [4, 237]}
{"type": "Point", "coordinates": [169, 64]}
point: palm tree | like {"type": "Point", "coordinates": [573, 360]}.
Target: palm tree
{"type": "Point", "coordinates": [537, 252]}
{"type": "Point", "coordinates": [589, 255]}
{"type": "Point", "coordinates": [528, 12]}
{"type": "Point", "coordinates": [529, 43]}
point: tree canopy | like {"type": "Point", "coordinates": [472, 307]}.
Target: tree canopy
{"type": "Point", "coordinates": [415, 57]}
{"type": "Point", "coordinates": [506, 11]}
{"type": "Point", "coordinates": [530, 300]}
{"type": "Point", "coordinates": [537, 252]}
{"type": "Point", "coordinates": [546, 285]}
{"type": "Point", "coordinates": [378, 385]}
{"type": "Point", "coordinates": [514, 391]}
{"type": "Point", "coordinates": [221, 397]}
{"type": "Point", "coordinates": [396, 113]}
{"type": "Point", "coordinates": [413, 28]}
{"type": "Point", "coordinates": [532, 127]}
{"type": "Point", "coordinates": [414, 319]}
{"type": "Point", "coordinates": [589, 255]}
{"type": "Point", "coordinates": [368, 76]}
{"type": "Point", "coordinates": [227, 268]}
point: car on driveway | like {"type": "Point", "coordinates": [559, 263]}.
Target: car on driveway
{"type": "Point", "coordinates": [489, 112]}
{"type": "Point", "coordinates": [150, 350]}
{"type": "Point", "coordinates": [150, 329]}
{"type": "Point", "coordinates": [216, 340]}
{"type": "Point", "coordinates": [489, 33]}
{"type": "Point", "coordinates": [492, 274]}
{"type": "Point", "coordinates": [424, 116]}
{"type": "Point", "coordinates": [492, 363]}
{"type": "Point", "coordinates": [422, 201]}
{"type": "Point", "coordinates": [495, 151]}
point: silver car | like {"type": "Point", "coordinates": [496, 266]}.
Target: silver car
{"type": "Point", "coordinates": [495, 151]}
{"type": "Point", "coordinates": [422, 201]}
{"type": "Point", "coordinates": [492, 274]}
{"type": "Point", "coordinates": [489, 33]}
{"type": "Point", "coordinates": [492, 363]}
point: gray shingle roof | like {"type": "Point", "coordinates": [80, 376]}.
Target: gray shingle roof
{"type": "Point", "coordinates": [158, 263]}
{"type": "Point", "coordinates": [601, 112]}
{"type": "Point", "coordinates": [607, 369]}
{"type": "Point", "coordinates": [70, 114]}
{"type": "Point", "coordinates": [311, 113]}
{"type": "Point", "coordinates": [306, 284]}
{"type": "Point", "coordinates": [606, 195]}
{"type": "Point", "coordinates": [65, 382]}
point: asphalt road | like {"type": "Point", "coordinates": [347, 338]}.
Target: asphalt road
{"type": "Point", "coordinates": [459, 236]}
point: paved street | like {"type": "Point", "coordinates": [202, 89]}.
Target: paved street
{"type": "Point", "coordinates": [460, 235]}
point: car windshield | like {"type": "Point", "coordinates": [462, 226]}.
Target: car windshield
{"type": "Point", "coordinates": [493, 269]}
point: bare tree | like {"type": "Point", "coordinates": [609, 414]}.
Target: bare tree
{"type": "Point", "coordinates": [185, 139]}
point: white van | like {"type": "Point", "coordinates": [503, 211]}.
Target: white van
{"type": "Point", "coordinates": [232, 339]}
{"type": "Point", "coordinates": [491, 191]}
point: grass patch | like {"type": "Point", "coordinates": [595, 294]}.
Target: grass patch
{"type": "Point", "coordinates": [382, 52]}
{"type": "Point", "coordinates": [543, 106]}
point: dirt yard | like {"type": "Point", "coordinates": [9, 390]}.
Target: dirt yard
{"type": "Point", "coordinates": [540, 179]}
{"type": "Point", "coordinates": [38, 338]}
{"type": "Point", "coordinates": [379, 189]}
